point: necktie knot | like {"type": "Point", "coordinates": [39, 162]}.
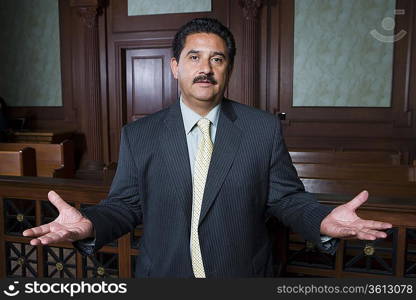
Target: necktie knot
{"type": "Point", "coordinates": [204, 125]}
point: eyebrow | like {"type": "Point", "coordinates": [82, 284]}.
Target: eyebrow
{"type": "Point", "coordinates": [219, 53]}
{"type": "Point", "coordinates": [192, 51]}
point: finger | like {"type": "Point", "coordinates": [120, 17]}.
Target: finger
{"type": "Point", "coordinates": [347, 232]}
{"type": "Point", "coordinates": [376, 233]}
{"type": "Point", "coordinates": [362, 235]}
{"type": "Point", "coordinates": [57, 201]}
{"type": "Point", "coordinates": [35, 242]}
{"type": "Point", "coordinates": [371, 224]}
{"type": "Point", "coordinates": [380, 234]}
{"type": "Point", "coordinates": [36, 231]}
{"type": "Point", "coordinates": [53, 237]}
{"type": "Point", "coordinates": [357, 201]}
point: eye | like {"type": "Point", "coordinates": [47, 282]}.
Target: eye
{"type": "Point", "coordinates": [217, 59]}
{"type": "Point", "coordinates": [193, 57]}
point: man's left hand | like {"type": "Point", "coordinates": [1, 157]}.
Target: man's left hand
{"type": "Point", "coordinates": [343, 222]}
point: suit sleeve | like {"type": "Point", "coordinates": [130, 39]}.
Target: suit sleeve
{"type": "Point", "coordinates": [121, 211]}
{"type": "Point", "coordinates": [287, 199]}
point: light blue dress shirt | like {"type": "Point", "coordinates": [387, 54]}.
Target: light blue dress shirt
{"type": "Point", "coordinates": [193, 133]}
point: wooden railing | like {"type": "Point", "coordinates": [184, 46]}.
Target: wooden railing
{"type": "Point", "coordinates": [24, 204]}
{"type": "Point", "coordinates": [337, 177]}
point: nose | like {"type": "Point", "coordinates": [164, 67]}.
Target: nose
{"type": "Point", "coordinates": [205, 66]}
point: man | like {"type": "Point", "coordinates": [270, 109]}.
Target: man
{"type": "Point", "coordinates": [203, 176]}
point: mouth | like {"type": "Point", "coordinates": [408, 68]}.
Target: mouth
{"type": "Point", "coordinates": [204, 83]}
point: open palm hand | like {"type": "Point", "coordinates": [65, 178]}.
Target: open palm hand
{"type": "Point", "coordinates": [69, 226]}
{"type": "Point", "coordinates": [343, 222]}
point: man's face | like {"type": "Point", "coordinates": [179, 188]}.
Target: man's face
{"type": "Point", "coordinates": [203, 68]}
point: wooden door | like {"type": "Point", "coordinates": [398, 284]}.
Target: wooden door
{"type": "Point", "coordinates": [150, 85]}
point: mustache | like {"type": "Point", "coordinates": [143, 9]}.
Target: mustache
{"type": "Point", "coordinates": [206, 77]}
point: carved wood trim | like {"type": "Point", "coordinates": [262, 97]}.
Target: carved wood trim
{"type": "Point", "coordinates": [89, 16]}
{"type": "Point", "coordinates": [251, 30]}
{"type": "Point", "coordinates": [405, 112]}
{"type": "Point", "coordinates": [251, 8]}
{"type": "Point", "coordinates": [88, 11]}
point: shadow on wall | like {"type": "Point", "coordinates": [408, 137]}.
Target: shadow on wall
{"type": "Point", "coordinates": [4, 122]}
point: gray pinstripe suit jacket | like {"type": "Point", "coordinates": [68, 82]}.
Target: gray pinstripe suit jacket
{"type": "Point", "coordinates": [251, 177]}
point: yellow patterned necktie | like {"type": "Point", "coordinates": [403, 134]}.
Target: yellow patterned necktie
{"type": "Point", "coordinates": [203, 158]}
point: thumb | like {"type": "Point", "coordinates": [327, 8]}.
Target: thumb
{"type": "Point", "coordinates": [357, 201]}
{"type": "Point", "coordinates": [57, 201]}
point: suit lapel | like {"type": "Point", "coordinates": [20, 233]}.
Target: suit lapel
{"type": "Point", "coordinates": [227, 142]}
{"type": "Point", "coordinates": [175, 151]}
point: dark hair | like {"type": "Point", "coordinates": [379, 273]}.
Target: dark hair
{"type": "Point", "coordinates": [204, 25]}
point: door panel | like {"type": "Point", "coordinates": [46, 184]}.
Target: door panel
{"type": "Point", "coordinates": [150, 85]}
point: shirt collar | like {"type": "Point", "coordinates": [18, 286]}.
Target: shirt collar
{"type": "Point", "coordinates": [190, 118]}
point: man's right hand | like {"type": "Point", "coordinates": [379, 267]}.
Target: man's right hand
{"type": "Point", "coordinates": [69, 226]}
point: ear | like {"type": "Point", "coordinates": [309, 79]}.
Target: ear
{"type": "Point", "coordinates": [174, 67]}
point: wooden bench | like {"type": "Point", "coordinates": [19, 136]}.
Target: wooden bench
{"type": "Point", "coordinates": [347, 157]}
{"type": "Point", "coordinates": [393, 174]}
{"type": "Point", "coordinates": [353, 187]}
{"type": "Point", "coordinates": [52, 160]}
{"type": "Point", "coordinates": [348, 173]}
{"type": "Point", "coordinates": [21, 162]}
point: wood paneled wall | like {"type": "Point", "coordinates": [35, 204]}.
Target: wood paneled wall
{"type": "Point", "coordinates": [338, 128]}
{"type": "Point", "coordinates": [116, 69]}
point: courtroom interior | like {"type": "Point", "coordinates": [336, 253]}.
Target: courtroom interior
{"type": "Point", "coordinates": [339, 74]}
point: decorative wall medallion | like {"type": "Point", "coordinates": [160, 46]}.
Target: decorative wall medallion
{"type": "Point", "coordinates": [369, 250]}
{"type": "Point", "coordinates": [20, 261]}
{"type": "Point", "coordinates": [20, 217]}
{"type": "Point", "coordinates": [59, 266]}
{"type": "Point", "coordinates": [100, 271]}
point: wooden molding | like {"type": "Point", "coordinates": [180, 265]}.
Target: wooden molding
{"type": "Point", "coordinates": [251, 29]}
{"type": "Point", "coordinates": [86, 3]}
{"type": "Point", "coordinates": [88, 11]}
{"type": "Point", "coordinates": [88, 16]}
{"type": "Point", "coordinates": [251, 8]}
